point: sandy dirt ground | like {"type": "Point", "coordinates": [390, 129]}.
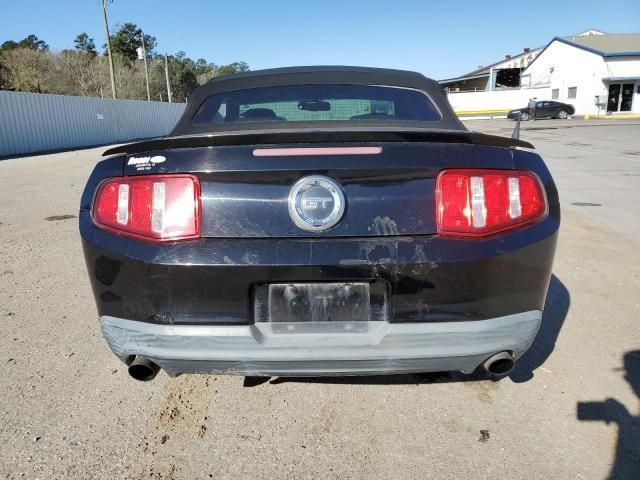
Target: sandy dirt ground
{"type": "Point", "coordinates": [69, 410]}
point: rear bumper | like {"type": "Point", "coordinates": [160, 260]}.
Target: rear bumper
{"type": "Point", "coordinates": [345, 348]}
{"type": "Point", "coordinates": [429, 278]}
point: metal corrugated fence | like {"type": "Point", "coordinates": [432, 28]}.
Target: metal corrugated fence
{"type": "Point", "coordinates": [32, 122]}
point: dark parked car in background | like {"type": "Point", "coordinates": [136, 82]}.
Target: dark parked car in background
{"type": "Point", "coordinates": [544, 109]}
{"type": "Point", "coordinates": [320, 221]}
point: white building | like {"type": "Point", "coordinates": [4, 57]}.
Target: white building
{"type": "Point", "coordinates": [593, 71]}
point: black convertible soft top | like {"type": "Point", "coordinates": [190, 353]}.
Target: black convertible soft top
{"type": "Point", "coordinates": [447, 129]}
{"type": "Point", "coordinates": [326, 75]}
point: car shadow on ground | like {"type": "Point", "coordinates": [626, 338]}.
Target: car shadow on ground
{"type": "Point", "coordinates": [556, 308]}
{"type": "Point", "coordinates": [555, 311]}
{"type": "Point", "coordinates": [626, 465]}
{"type": "Point", "coordinates": [402, 379]}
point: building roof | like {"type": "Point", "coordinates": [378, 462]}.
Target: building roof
{"type": "Point", "coordinates": [607, 45]}
{"type": "Point", "coordinates": [593, 40]}
{"type": "Point", "coordinates": [463, 78]}
{"type": "Point", "coordinates": [603, 44]}
{"type": "Point", "coordinates": [486, 70]}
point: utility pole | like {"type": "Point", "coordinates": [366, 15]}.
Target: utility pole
{"type": "Point", "coordinates": [143, 53]}
{"type": "Point", "coordinates": [166, 74]}
{"type": "Point", "coordinates": [106, 31]}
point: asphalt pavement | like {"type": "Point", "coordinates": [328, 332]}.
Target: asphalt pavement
{"type": "Point", "coordinates": [571, 409]}
{"type": "Point", "coordinates": [596, 164]}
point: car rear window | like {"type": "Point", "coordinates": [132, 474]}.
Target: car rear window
{"type": "Point", "coordinates": [316, 103]}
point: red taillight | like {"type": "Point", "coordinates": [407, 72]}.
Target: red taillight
{"type": "Point", "coordinates": [152, 207]}
{"type": "Point", "coordinates": [483, 202]}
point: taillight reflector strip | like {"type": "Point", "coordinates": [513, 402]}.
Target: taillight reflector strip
{"type": "Point", "coordinates": [476, 202]}
{"type": "Point", "coordinates": [122, 215]}
{"type": "Point", "coordinates": [150, 207]}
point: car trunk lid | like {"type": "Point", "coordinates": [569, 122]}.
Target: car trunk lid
{"type": "Point", "coordinates": [388, 187]}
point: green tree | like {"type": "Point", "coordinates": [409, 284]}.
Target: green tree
{"type": "Point", "coordinates": [235, 67]}
{"type": "Point", "coordinates": [204, 70]}
{"type": "Point", "coordinates": [28, 65]}
{"type": "Point", "coordinates": [127, 39]}
{"type": "Point", "coordinates": [202, 66]}
{"type": "Point", "coordinates": [8, 45]}
{"type": "Point", "coordinates": [85, 44]}
{"type": "Point", "coordinates": [31, 42]}
{"type": "Point", "coordinates": [183, 76]}
{"type": "Point", "coordinates": [34, 43]}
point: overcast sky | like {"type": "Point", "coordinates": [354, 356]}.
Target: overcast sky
{"type": "Point", "coordinates": [440, 39]}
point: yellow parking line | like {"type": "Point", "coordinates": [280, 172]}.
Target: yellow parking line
{"type": "Point", "coordinates": [481, 112]}
{"type": "Point", "coordinates": [618, 116]}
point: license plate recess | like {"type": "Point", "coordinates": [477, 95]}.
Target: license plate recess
{"type": "Point", "coordinates": [320, 302]}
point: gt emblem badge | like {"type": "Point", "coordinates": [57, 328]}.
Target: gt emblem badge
{"type": "Point", "coordinates": [316, 203]}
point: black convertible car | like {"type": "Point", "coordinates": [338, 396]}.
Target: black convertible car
{"type": "Point", "coordinates": [320, 221]}
{"type": "Point", "coordinates": [543, 109]}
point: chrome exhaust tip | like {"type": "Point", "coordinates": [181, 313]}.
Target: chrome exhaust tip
{"type": "Point", "coordinates": [143, 369]}
{"type": "Point", "coordinates": [500, 364]}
